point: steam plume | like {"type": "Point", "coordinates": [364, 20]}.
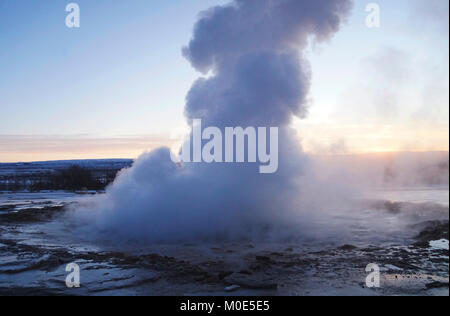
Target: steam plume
{"type": "Point", "coordinates": [253, 51]}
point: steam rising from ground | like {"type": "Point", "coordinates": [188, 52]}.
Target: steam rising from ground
{"type": "Point", "coordinates": [253, 51]}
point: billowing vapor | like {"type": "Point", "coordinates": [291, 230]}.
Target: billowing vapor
{"type": "Point", "coordinates": [252, 52]}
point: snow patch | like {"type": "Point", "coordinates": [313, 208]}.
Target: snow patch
{"type": "Point", "coordinates": [439, 244]}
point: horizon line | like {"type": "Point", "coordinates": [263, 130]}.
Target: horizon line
{"type": "Point", "coordinates": [372, 153]}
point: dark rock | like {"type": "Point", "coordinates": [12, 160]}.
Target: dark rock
{"type": "Point", "coordinates": [31, 215]}
{"type": "Point", "coordinates": [434, 230]}
{"type": "Point", "coordinates": [245, 272]}
{"type": "Point", "coordinates": [263, 259]}
{"type": "Point", "coordinates": [436, 285]}
{"type": "Point", "coordinates": [371, 249]}
{"type": "Point", "coordinates": [348, 248]}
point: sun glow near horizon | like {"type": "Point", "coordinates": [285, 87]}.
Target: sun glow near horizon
{"type": "Point", "coordinates": [320, 139]}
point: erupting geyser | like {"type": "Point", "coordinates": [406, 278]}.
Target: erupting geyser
{"type": "Point", "coordinates": [253, 51]}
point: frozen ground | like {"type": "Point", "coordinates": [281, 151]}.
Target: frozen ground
{"type": "Point", "coordinates": [402, 231]}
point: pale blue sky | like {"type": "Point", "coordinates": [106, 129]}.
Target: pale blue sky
{"type": "Point", "coordinates": [122, 75]}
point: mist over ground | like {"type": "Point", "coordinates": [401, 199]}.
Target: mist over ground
{"type": "Point", "coordinates": [256, 75]}
{"type": "Point", "coordinates": [385, 170]}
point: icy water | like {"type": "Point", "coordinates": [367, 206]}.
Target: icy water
{"type": "Point", "coordinates": [404, 231]}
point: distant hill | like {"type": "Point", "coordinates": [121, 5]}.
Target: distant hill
{"type": "Point", "coordinates": [48, 175]}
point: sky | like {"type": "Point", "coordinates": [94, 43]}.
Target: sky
{"type": "Point", "coordinates": [116, 86]}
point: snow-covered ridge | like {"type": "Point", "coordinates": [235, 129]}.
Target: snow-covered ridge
{"type": "Point", "coordinates": [39, 175]}
{"type": "Point", "coordinates": [51, 166]}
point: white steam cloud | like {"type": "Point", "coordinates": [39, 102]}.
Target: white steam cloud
{"type": "Point", "coordinates": [253, 51]}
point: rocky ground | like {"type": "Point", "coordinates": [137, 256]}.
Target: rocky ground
{"type": "Point", "coordinates": [32, 262]}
